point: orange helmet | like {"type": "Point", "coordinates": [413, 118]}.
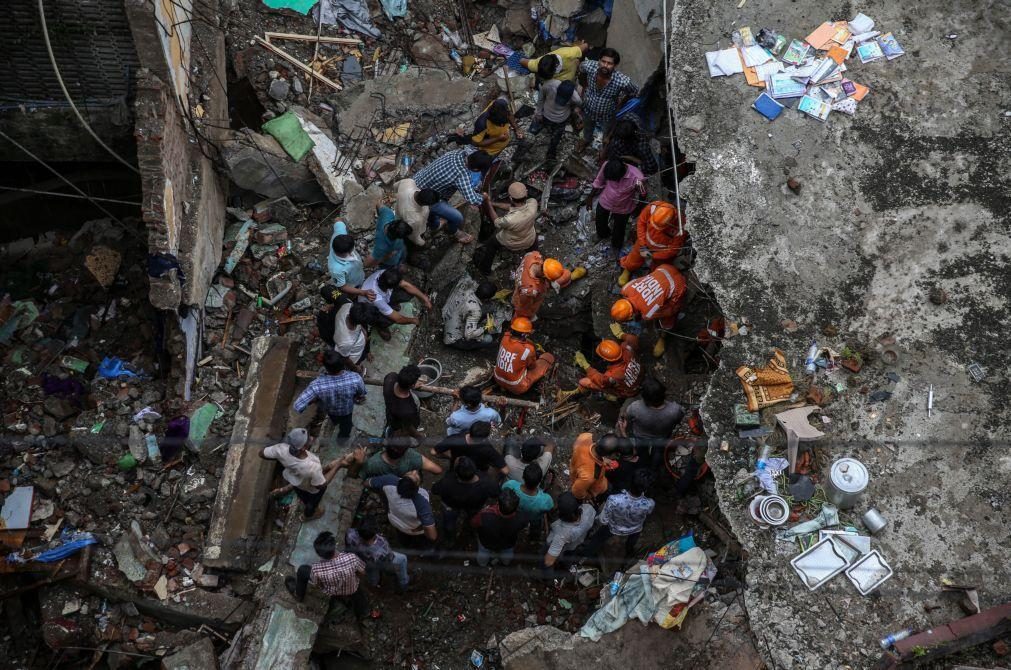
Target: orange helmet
{"type": "Point", "coordinates": [552, 269]}
{"type": "Point", "coordinates": [609, 350]}
{"type": "Point", "coordinates": [622, 310]}
{"type": "Point", "coordinates": [662, 214]}
{"type": "Point", "coordinates": [522, 324]}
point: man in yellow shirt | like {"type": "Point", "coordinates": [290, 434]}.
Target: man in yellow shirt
{"type": "Point", "coordinates": [562, 63]}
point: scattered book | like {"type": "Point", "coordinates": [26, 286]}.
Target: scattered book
{"type": "Point", "coordinates": [796, 53]}
{"type": "Point", "coordinates": [782, 85]}
{"type": "Point", "coordinates": [869, 52]}
{"type": "Point", "coordinates": [854, 90]}
{"type": "Point", "coordinates": [890, 46]}
{"type": "Point", "coordinates": [746, 37]}
{"type": "Point", "coordinates": [823, 69]}
{"type": "Point", "coordinates": [814, 107]}
{"type": "Point", "coordinates": [767, 106]}
{"type": "Point", "coordinates": [846, 106]}
{"type": "Point", "coordinates": [724, 62]}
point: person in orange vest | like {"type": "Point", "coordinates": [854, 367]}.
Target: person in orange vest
{"type": "Point", "coordinates": [536, 275]}
{"type": "Point", "coordinates": [622, 375]}
{"type": "Point", "coordinates": [518, 366]}
{"type": "Point", "coordinates": [656, 296]}
{"type": "Point", "coordinates": [590, 463]}
{"type": "Point", "coordinates": [659, 238]}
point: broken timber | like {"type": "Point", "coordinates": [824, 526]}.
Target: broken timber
{"type": "Point", "coordinates": [297, 63]}
{"type": "Point", "coordinates": [312, 38]}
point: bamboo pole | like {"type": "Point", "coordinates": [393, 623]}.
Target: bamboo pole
{"type": "Point", "coordinates": [312, 38]}
{"type": "Point", "coordinates": [297, 63]}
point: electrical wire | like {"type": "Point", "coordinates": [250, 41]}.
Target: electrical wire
{"type": "Point", "coordinates": [66, 93]}
{"type": "Point", "coordinates": [70, 195]}
{"type": "Point", "coordinates": [671, 112]}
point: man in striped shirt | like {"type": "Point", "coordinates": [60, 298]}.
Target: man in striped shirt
{"type": "Point", "coordinates": [338, 575]}
{"type": "Point", "coordinates": [447, 174]}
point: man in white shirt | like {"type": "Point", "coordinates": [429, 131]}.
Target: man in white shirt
{"type": "Point", "coordinates": [534, 450]}
{"type": "Point", "coordinates": [412, 205]}
{"type": "Point", "coordinates": [463, 323]}
{"type": "Point", "coordinates": [391, 290]}
{"type": "Point", "coordinates": [567, 533]}
{"type": "Point", "coordinates": [302, 470]}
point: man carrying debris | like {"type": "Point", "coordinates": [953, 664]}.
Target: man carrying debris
{"type": "Point", "coordinates": [464, 325]}
{"type": "Point", "coordinates": [337, 575]}
{"type": "Point", "coordinates": [389, 250]}
{"type": "Point", "coordinates": [448, 174]}
{"type": "Point", "coordinates": [471, 410]}
{"type": "Point", "coordinates": [337, 391]}
{"type": "Point", "coordinates": [389, 290]}
{"type": "Point", "coordinates": [656, 296]}
{"type": "Point", "coordinates": [536, 275]}
{"type": "Point", "coordinates": [412, 205]}
{"type": "Point", "coordinates": [518, 367]}
{"type": "Point", "coordinates": [556, 105]}
{"type": "Point", "coordinates": [660, 237]}
{"type": "Point", "coordinates": [561, 64]}
{"type": "Point", "coordinates": [345, 265]}
{"type": "Point", "coordinates": [302, 470]}
{"type": "Point", "coordinates": [514, 230]}
{"type": "Point", "coordinates": [623, 373]}
{"type": "Point", "coordinates": [606, 90]}
{"type": "Point", "coordinates": [589, 465]}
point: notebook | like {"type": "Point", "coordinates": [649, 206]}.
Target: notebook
{"type": "Point", "coordinates": [814, 107]}
{"type": "Point", "coordinates": [767, 107]}
{"type": "Point", "coordinates": [796, 53]}
{"type": "Point", "coordinates": [869, 52]}
{"type": "Point", "coordinates": [782, 85]}
{"type": "Point", "coordinates": [890, 46]}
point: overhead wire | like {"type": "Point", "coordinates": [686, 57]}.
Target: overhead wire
{"type": "Point", "coordinates": [70, 195]}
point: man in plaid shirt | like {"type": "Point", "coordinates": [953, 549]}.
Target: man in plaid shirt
{"type": "Point", "coordinates": [337, 575]}
{"type": "Point", "coordinates": [606, 90]}
{"type": "Point", "coordinates": [337, 391]}
{"type": "Point", "coordinates": [447, 174]}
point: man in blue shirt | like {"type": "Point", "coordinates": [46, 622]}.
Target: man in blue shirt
{"type": "Point", "coordinates": [337, 391]}
{"type": "Point", "coordinates": [344, 263]}
{"type": "Point", "coordinates": [390, 247]}
{"type": "Point", "coordinates": [473, 410]}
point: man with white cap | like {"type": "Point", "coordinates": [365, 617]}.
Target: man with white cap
{"type": "Point", "coordinates": [514, 230]}
{"type": "Point", "coordinates": [302, 470]}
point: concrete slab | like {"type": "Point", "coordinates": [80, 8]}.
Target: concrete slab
{"type": "Point", "coordinates": [198, 656]}
{"type": "Point", "coordinates": [370, 417]}
{"type": "Point", "coordinates": [287, 640]}
{"type": "Point", "coordinates": [242, 500]}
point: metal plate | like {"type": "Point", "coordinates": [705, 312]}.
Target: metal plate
{"type": "Point", "coordinates": [819, 564]}
{"type": "Point", "coordinates": [869, 572]}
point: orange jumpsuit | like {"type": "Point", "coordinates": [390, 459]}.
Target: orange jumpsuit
{"type": "Point", "coordinates": [658, 295]}
{"type": "Point", "coordinates": [588, 473]}
{"type": "Point", "coordinates": [531, 291]}
{"type": "Point", "coordinates": [622, 376]}
{"type": "Point", "coordinates": [665, 242]}
{"type": "Point", "coordinates": [518, 367]}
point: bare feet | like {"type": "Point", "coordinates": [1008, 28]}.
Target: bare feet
{"type": "Point", "coordinates": [464, 238]}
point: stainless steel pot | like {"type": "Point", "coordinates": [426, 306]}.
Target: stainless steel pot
{"type": "Point", "coordinates": [847, 479]}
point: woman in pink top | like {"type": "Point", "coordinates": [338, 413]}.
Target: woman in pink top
{"type": "Point", "coordinates": [620, 186]}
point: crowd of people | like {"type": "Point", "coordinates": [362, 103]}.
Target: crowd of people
{"type": "Point", "coordinates": [502, 495]}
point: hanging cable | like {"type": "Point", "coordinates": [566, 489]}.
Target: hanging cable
{"type": "Point", "coordinates": [69, 195]}
{"type": "Point", "coordinates": [66, 93]}
{"type": "Point", "coordinates": [671, 112]}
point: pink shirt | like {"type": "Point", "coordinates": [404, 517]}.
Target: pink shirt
{"type": "Point", "coordinates": [618, 197]}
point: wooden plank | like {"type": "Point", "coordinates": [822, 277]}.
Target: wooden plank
{"type": "Point", "coordinates": [297, 63]}
{"type": "Point", "coordinates": [312, 38]}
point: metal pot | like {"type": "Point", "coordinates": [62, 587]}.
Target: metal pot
{"type": "Point", "coordinates": [847, 479]}
{"type": "Point", "coordinates": [874, 521]}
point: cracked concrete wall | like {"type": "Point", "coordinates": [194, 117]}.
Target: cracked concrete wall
{"type": "Point", "coordinates": [909, 195]}
{"type": "Point", "coordinates": [638, 37]}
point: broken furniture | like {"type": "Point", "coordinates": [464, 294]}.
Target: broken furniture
{"type": "Point", "coordinates": [795, 424]}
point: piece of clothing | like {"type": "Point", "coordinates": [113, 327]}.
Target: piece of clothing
{"type": "Point", "coordinates": [376, 551]}
{"type": "Point", "coordinates": [402, 414]}
{"type": "Point", "coordinates": [485, 555]}
{"type": "Point", "coordinates": [350, 342]}
{"type": "Point", "coordinates": [408, 209]}
{"type": "Point", "coordinates": [482, 453]}
{"type": "Point", "coordinates": [518, 467]}
{"type": "Point", "coordinates": [389, 253]}
{"type": "Point", "coordinates": [448, 174]}
{"type": "Point", "coordinates": [530, 291]}
{"type": "Point", "coordinates": [624, 513]}
{"type": "Point", "coordinates": [347, 270]}
{"type": "Point", "coordinates": [352, 14]}
{"type": "Point", "coordinates": [570, 57]}
{"type": "Point", "coordinates": [565, 536]}
{"type": "Point", "coordinates": [515, 229]}
{"type": "Point", "coordinates": [337, 576]}
{"type": "Point", "coordinates": [498, 531]}
{"type": "Point", "coordinates": [637, 147]}
{"type": "Point", "coordinates": [622, 377]}
{"type": "Point", "coordinates": [620, 196]}
{"type": "Point", "coordinates": [310, 499]}
{"type": "Point", "coordinates": [548, 107]}
{"type": "Point", "coordinates": [589, 478]}
{"type": "Point", "coordinates": [767, 385]}
{"type": "Point", "coordinates": [462, 314]}
{"type": "Point", "coordinates": [653, 423]}
{"type": "Point", "coordinates": [664, 242]}
{"type": "Point", "coordinates": [460, 420]}
{"type": "Point", "coordinates": [467, 497]}
{"type": "Point", "coordinates": [446, 212]}
{"type": "Point", "coordinates": [302, 473]}
{"type": "Point", "coordinates": [657, 295]}
{"type": "Point", "coordinates": [409, 516]}
{"type": "Point", "coordinates": [383, 298]}
{"type": "Point", "coordinates": [601, 104]}
{"type": "Point", "coordinates": [611, 226]}
{"type": "Point", "coordinates": [376, 465]}
{"type": "Point", "coordinates": [539, 503]}
{"type": "Point", "coordinates": [336, 394]}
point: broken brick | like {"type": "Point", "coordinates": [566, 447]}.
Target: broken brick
{"type": "Point", "coordinates": [851, 364]}
{"type": "Point", "coordinates": [148, 626]}
{"type": "Point", "coordinates": [815, 396]}
{"type": "Point", "coordinates": [1000, 648]}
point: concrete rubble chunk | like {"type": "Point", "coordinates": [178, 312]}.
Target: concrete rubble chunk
{"type": "Point", "coordinates": [360, 210]}
{"type": "Point", "coordinates": [126, 561]}
{"type": "Point", "coordinates": [257, 163]}
{"type": "Point", "coordinates": [198, 656]}
{"type": "Point", "coordinates": [326, 162]}
{"type": "Point", "coordinates": [279, 89]}
{"type": "Point", "coordinates": [564, 8]}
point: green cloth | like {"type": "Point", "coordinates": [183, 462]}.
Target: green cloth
{"type": "Point", "coordinates": [289, 134]}
{"type": "Point", "coordinates": [300, 6]}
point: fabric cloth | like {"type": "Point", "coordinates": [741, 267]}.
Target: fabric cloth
{"type": "Point", "coordinates": [587, 472]}
{"type": "Point", "coordinates": [338, 576]}
{"type": "Point", "coordinates": [468, 497]}
{"type": "Point", "coordinates": [565, 536]}
{"type": "Point", "coordinates": [637, 146]}
{"type": "Point", "coordinates": [409, 210]}
{"type": "Point", "coordinates": [460, 420]}
{"type": "Point", "coordinates": [600, 104]}
{"type": "Point", "coordinates": [548, 107]}
{"type": "Point", "coordinates": [302, 473]}
{"type": "Point", "coordinates": [394, 8]}
{"type": "Point", "coordinates": [620, 196]}
{"type": "Point", "coordinates": [461, 315]}
{"type": "Point", "coordinates": [448, 174]}
{"type": "Point", "coordinates": [611, 226]}
{"type": "Point", "coordinates": [530, 291]}
{"type": "Point", "coordinates": [346, 271]}
{"type": "Point", "coordinates": [401, 413]}
{"type": "Point", "coordinates": [624, 513]}
{"type": "Point", "coordinates": [766, 385]}
{"type": "Point", "coordinates": [570, 57]}
{"type": "Point", "coordinates": [515, 229]}
{"type": "Point", "coordinates": [388, 252]}
{"type": "Point", "coordinates": [352, 14]}
{"type": "Point", "coordinates": [376, 465]}
{"type": "Point", "coordinates": [383, 298]}
{"type": "Point", "coordinates": [348, 341]}
{"type": "Point", "coordinates": [620, 378]}
{"type": "Point", "coordinates": [518, 467]}
{"type": "Point", "coordinates": [539, 503]}
{"type": "Point", "coordinates": [657, 295]}
{"type": "Point", "coordinates": [482, 453]}
{"type": "Point", "coordinates": [409, 516]}
{"type": "Point", "coordinates": [665, 242]}
{"type": "Point", "coordinates": [497, 531]}
{"type": "Point", "coordinates": [336, 394]}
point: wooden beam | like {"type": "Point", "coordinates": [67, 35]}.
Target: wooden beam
{"type": "Point", "coordinates": [297, 63]}
{"type": "Point", "coordinates": [312, 38]}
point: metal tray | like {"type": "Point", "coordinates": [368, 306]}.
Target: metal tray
{"type": "Point", "coordinates": [819, 564]}
{"type": "Point", "coordinates": [869, 572]}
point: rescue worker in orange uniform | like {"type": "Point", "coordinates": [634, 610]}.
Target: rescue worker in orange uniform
{"type": "Point", "coordinates": [518, 366]}
{"type": "Point", "coordinates": [657, 296]}
{"type": "Point", "coordinates": [660, 235]}
{"type": "Point", "coordinates": [623, 373]}
{"type": "Point", "coordinates": [536, 276]}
